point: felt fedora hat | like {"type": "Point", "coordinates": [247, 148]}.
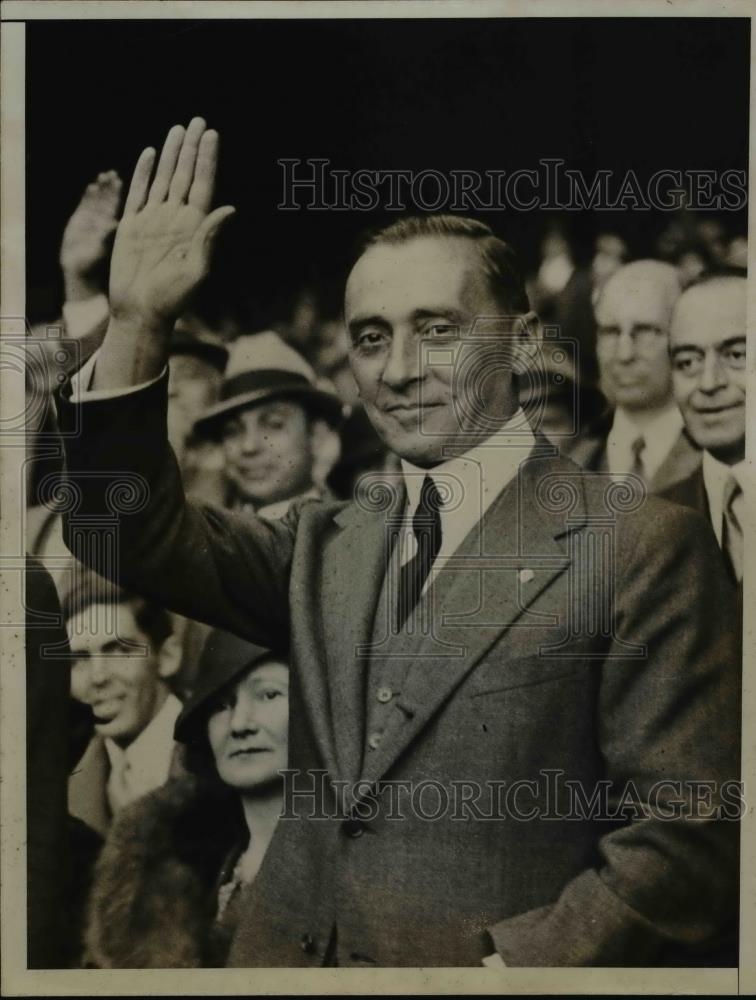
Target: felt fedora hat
{"type": "Point", "coordinates": [262, 366]}
{"type": "Point", "coordinates": [225, 658]}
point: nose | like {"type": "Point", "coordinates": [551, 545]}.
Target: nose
{"type": "Point", "coordinates": [404, 364]}
{"type": "Point", "coordinates": [99, 670]}
{"type": "Point", "coordinates": [713, 376]}
{"type": "Point", "coordinates": [244, 717]}
{"type": "Point", "coordinates": [250, 439]}
{"type": "Point", "coordinates": [625, 347]}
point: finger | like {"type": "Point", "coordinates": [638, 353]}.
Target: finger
{"type": "Point", "coordinates": [166, 165]}
{"type": "Point", "coordinates": [140, 182]}
{"type": "Point", "coordinates": [201, 193]}
{"type": "Point", "coordinates": [182, 177]}
{"type": "Point", "coordinates": [112, 194]}
{"type": "Point", "coordinates": [204, 238]}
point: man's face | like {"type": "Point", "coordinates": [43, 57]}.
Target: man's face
{"type": "Point", "coordinates": [248, 728]}
{"type": "Point", "coordinates": [427, 385]}
{"type": "Point", "coordinates": [268, 451]}
{"type": "Point", "coordinates": [632, 319]}
{"type": "Point", "coordinates": [708, 348]}
{"type": "Point", "coordinates": [192, 387]}
{"type": "Point", "coordinates": [122, 684]}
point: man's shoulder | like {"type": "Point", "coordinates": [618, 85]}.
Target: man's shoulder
{"type": "Point", "coordinates": [689, 492]}
{"type": "Point", "coordinates": [624, 500]}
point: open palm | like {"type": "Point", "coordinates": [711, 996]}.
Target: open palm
{"type": "Point", "coordinates": [164, 240]}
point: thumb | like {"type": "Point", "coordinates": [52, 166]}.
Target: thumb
{"type": "Point", "coordinates": [204, 238]}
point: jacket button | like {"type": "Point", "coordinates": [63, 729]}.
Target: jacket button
{"type": "Point", "coordinates": [352, 828]}
{"type": "Point", "coordinates": [385, 694]}
{"type": "Point", "coordinates": [307, 944]}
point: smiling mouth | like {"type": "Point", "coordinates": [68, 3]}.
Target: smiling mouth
{"type": "Point", "coordinates": [410, 407]}
{"type": "Point", "coordinates": [714, 410]}
{"type": "Point", "coordinates": [248, 752]}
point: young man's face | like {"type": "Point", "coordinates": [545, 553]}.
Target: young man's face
{"type": "Point", "coordinates": [121, 683]}
{"type": "Point", "coordinates": [428, 383]}
{"type": "Point", "coordinates": [268, 451]}
{"type": "Point", "coordinates": [248, 728]}
{"type": "Point", "coordinates": [708, 348]}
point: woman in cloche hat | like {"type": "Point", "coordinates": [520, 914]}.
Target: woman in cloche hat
{"type": "Point", "coordinates": [168, 882]}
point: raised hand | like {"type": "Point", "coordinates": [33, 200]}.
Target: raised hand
{"type": "Point", "coordinates": [164, 240]}
{"type": "Point", "coordinates": [161, 253]}
{"type": "Point", "coordinates": [84, 247]}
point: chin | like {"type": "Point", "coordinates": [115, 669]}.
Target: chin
{"type": "Point", "coordinates": [727, 446]}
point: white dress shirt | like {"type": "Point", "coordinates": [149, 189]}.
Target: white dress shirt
{"type": "Point", "coordinates": [716, 474]}
{"type": "Point", "coordinates": [145, 763]}
{"type": "Point", "coordinates": [468, 485]}
{"type": "Point", "coordinates": [659, 434]}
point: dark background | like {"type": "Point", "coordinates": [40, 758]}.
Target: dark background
{"type": "Point", "coordinates": [412, 94]}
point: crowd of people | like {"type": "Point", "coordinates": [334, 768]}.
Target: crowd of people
{"type": "Point", "coordinates": [178, 723]}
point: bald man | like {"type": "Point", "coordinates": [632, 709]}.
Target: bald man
{"type": "Point", "coordinates": [643, 431]}
{"type": "Point", "coordinates": [708, 352]}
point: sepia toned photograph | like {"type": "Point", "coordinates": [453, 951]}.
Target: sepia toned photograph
{"type": "Point", "coordinates": [378, 507]}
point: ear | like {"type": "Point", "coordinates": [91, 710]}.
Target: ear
{"type": "Point", "coordinates": [169, 657]}
{"type": "Point", "coordinates": [527, 343]}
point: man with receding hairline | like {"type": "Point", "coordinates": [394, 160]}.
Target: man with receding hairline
{"type": "Point", "coordinates": [642, 432]}
{"type": "Point", "coordinates": [708, 351]}
{"type": "Point", "coordinates": [442, 626]}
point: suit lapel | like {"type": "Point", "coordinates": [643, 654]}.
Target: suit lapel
{"type": "Point", "coordinates": [358, 556]}
{"type": "Point", "coordinates": [503, 565]}
{"type": "Point", "coordinates": [87, 787]}
{"type": "Point", "coordinates": [681, 462]}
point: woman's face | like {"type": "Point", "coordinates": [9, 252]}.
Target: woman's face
{"type": "Point", "coordinates": [248, 728]}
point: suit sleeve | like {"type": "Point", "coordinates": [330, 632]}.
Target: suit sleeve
{"type": "Point", "coordinates": [128, 519]}
{"type": "Point", "coordinates": [666, 723]}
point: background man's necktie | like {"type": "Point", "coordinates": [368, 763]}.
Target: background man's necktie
{"type": "Point", "coordinates": [637, 448]}
{"type": "Point", "coordinates": [119, 791]}
{"type": "Point", "coordinates": [426, 527]}
{"type": "Point", "coordinates": [732, 527]}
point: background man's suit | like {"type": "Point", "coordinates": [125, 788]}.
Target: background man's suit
{"type": "Point", "coordinates": [590, 452]}
{"type": "Point", "coordinates": [415, 892]}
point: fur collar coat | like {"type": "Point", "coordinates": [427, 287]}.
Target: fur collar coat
{"type": "Point", "coordinates": [155, 893]}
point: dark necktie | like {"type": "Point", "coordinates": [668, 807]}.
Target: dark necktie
{"type": "Point", "coordinates": [426, 527]}
{"type": "Point", "coordinates": [637, 448]}
{"type": "Point", "coordinates": [732, 529]}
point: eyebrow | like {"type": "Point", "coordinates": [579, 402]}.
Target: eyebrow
{"type": "Point", "coordinates": [418, 315]}
{"type": "Point", "coordinates": [355, 326]}
{"type": "Point", "coordinates": [730, 342]}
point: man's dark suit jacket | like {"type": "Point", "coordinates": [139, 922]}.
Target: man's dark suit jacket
{"type": "Point", "coordinates": [522, 678]}
{"type": "Point", "coordinates": [589, 452]}
{"type": "Point", "coordinates": [691, 492]}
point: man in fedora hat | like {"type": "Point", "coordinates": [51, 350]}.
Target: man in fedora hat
{"type": "Point", "coordinates": [455, 649]}
{"type": "Point", "coordinates": [273, 422]}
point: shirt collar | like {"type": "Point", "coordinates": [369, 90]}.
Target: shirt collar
{"type": "Point", "coordinates": [273, 511]}
{"type": "Point", "coordinates": [154, 745]}
{"type": "Point", "coordinates": [659, 435]}
{"type": "Point", "coordinates": [481, 473]}
{"type": "Point", "coordinates": [715, 475]}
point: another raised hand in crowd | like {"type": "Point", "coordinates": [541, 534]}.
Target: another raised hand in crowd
{"type": "Point", "coordinates": [85, 247]}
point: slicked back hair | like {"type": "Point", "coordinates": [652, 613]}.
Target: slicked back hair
{"type": "Point", "coordinates": [91, 589]}
{"type": "Point", "coordinates": [499, 260]}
